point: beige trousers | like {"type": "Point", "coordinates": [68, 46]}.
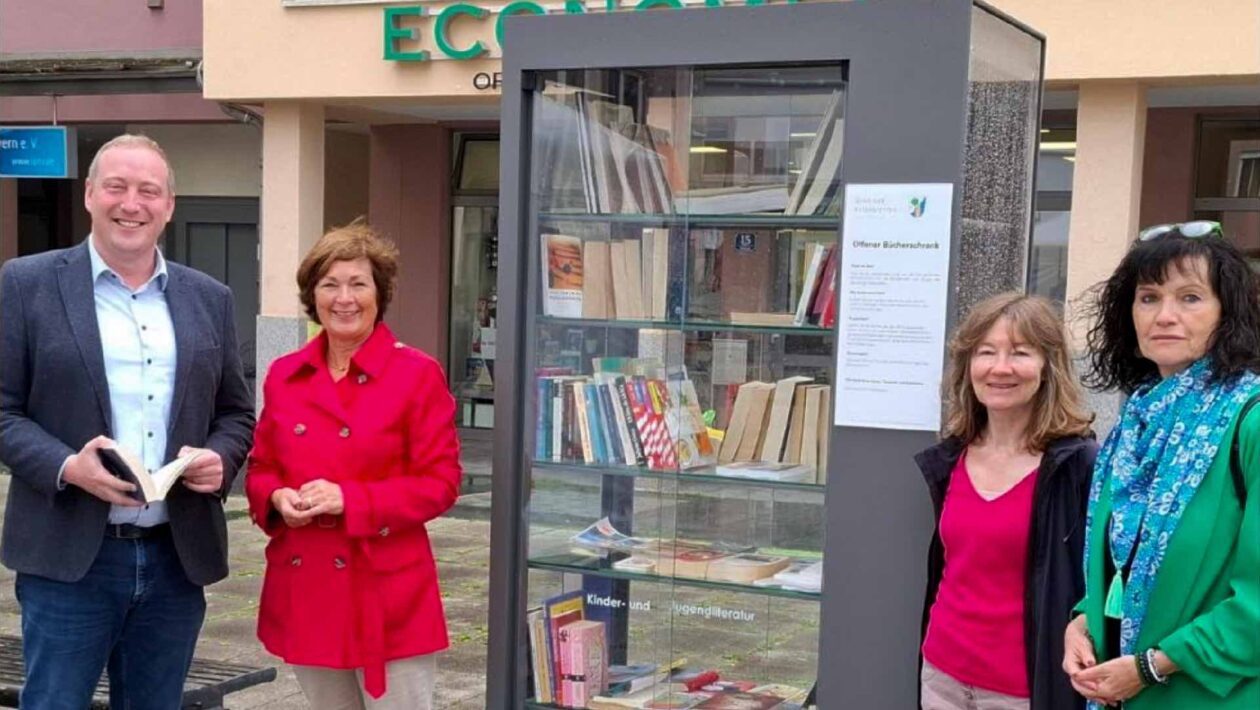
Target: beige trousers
{"type": "Point", "coordinates": [408, 686]}
{"type": "Point", "coordinates": [942, 692]}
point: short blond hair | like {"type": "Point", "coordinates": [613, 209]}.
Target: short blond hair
{"type": "Point", "coordinates": [133, 140]}
{"type": "Point", "coordinates": [1059, 406]}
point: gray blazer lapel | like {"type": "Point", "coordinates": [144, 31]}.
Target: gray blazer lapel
{"type": "Point", "coordinates": [74, 278]}
{"type": "Point", "coordinates": [180, 304]}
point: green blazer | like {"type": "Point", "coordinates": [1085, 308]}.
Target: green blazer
{"type": "Point", "coordinates": [1204, 611]}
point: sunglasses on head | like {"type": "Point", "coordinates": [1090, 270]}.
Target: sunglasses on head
{"type": "Point", "coordinates": [1189, 230]}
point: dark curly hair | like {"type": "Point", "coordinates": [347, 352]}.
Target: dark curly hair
{"type": "Point", "coordinates": [1116, 362]}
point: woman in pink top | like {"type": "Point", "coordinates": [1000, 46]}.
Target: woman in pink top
{"type": "Point", "coordinates": [1010, 483]}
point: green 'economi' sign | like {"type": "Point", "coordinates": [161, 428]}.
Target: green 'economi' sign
{"type": "Point", "coordinates": [402, 24]}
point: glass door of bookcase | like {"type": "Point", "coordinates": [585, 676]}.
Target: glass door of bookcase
{"type": "Point", "coordinates": [684, 225]}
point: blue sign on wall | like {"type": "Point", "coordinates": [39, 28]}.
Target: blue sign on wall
{"type": "Point", "coordinates": [38, 152]}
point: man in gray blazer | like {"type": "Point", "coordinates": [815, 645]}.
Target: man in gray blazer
{"type": "Point", "coordinates": [103, 343]}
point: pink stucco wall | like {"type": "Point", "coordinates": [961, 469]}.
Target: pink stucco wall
{"type": "Point", "coordinates": [94, 26]}
{"type": "Point", "coordinates": [1168, 165]}
{"type": "Point", "coordinates": [409, 202]}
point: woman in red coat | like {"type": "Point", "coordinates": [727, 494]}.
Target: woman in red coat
{"type": "Point", "coordinates": [355, 451]}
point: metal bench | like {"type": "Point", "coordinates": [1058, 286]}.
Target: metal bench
{"type": "Point", "coordinates": [207, 683]}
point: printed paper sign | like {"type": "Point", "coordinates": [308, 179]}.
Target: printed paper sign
{"type": "Point", "coordinates": [894, 281]}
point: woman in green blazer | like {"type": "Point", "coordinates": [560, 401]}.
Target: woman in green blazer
{"type": "Point", "coordinates": [1171, 614]}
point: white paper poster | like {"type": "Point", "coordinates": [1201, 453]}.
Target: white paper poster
{"type": "Point", "coordinates": [894, 280]}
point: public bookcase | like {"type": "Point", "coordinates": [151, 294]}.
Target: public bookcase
{"type": "Point", "coordinates": [732, 243]}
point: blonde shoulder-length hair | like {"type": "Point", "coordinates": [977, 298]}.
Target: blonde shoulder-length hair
{"type": "Point", "coordinates": [1058, 408]}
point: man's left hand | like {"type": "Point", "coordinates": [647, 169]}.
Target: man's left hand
{"type": "Point", "coordinates": [205, 473]}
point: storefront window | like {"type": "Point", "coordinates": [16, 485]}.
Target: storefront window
{"type": "Point", "coordinates": [1227, 181]}
{"type": "Point", "coordinates": [1047, 267]}
{"type": "Point", "coordinates": [474, 272]}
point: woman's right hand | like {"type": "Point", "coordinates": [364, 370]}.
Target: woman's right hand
{"type": "Point", "coordinates": [288, 503]}
{"type": "Point", "coordinates": [1078, 653]}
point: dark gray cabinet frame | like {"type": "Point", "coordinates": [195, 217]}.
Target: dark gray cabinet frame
{"type": "Point", "coordinates": [906, 121]}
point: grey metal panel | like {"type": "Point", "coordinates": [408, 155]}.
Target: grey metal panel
{"type": "Point", "coordinates": [505, 660]}
{"type": "Point", "coordinates": [905, 122]}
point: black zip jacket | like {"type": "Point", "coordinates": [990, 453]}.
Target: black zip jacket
{"type": "Point", "coordinates": [1054, 580]}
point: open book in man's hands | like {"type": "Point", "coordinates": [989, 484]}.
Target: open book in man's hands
{"type": "Point", "coordinates": [150, 487]}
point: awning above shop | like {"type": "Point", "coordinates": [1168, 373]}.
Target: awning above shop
{"type": "Point", "coordinates": [61, 76]}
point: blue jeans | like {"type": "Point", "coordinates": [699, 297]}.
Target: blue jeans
{"type": "Point", "coordinates": [135, 610]}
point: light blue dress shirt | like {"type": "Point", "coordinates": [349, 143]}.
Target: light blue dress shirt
{"type": "Point", "coordinates": [138, 343]}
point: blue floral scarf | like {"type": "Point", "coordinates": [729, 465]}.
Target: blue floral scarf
{"type": "Point", "coordinates": [1153, 461]}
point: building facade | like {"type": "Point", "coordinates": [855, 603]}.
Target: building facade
{"type": "Point", "coordinates": [1151, 114]}
{"type": "Point", "coordinates": [99, 68]}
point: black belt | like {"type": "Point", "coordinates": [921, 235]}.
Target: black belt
{"type": "Point", "coordinates": [127, 531]}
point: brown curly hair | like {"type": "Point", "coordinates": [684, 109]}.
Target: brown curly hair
{"type": "Point", "coordinates": [1059, 406]}
{"type": "Point", "coordinates": [356, 240]}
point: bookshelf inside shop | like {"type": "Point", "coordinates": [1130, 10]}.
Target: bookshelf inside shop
{"type": "Point", "coordinates": [680, 351]}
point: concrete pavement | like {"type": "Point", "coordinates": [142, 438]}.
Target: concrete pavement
{"type": "Point", "coordinates": [461, 546]}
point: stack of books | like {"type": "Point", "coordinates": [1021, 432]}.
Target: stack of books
{"type": "Point", "coordinates": [568, 652]}
{"type": "Point", "coordinates": [615, 166]}
{"type": "Point", "coordinates": [717, 561]}
{"type": "Point", "coordinates": [778, 431]}
{"type": "Point", "coordinates": [817, 302]}
{"type": "Point", "coordinates": [600, 278]}
{"type": "Point", "coordinates": [638, 415]}
{"type": "Point", "coordinates": [570, 668]}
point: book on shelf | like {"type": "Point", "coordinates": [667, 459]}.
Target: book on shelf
{"type": "Point", "coordinates": [674, 560]}
{"type": "Point", "coordinates": [817, 186]}
{"type": "Point", "coordinates": [150, 487]}
{"type": "Point", "coordinates": [741, 700]}
{"type": "Point", "coordinates": [796, 425]}
{"type": "Point", "coordinates": [781, 320]}
{"type": "Point", "coordinates": [748, 420]}
{"type": "Point", "coordinates": [706, 690]}
{"type": "Point", "coordinates": [603, 535]}
{"type": "Point", "coordinates": [597, 280]}
{"type": "Point", "coordinates": [817, 256]}
{"type": "Point", "coordinates": [692, 445]}
{"type": "Point", "coordinates": [785, 422]}
{"type": "Point", "coordinates": [634, 279]}
{"type": "Point", "coordinates": [621, 164]}
{"type": "Point", "coordinates": [626, 680]}
{"type": "Point", "coordinates": [540, 662]}
{"type": "Point", "coordinates": [562, 275]}
{"type": "Point", "coordinates": [780, 413]}
{"type": "Point", "coordinates": [816, 429]}
{"type": "Point", "coordinates": [637, 564]}
{"type": "Point", "coordinates": [733, 199]}
{"type": "Point", "coordinates": [656, 263]}
{"type": "Point", "coordinates": [759, 407]}
{"type": "Point", "coordinates": [558, 612]}
{"type": "Point", "coordinates": [650, 699]}
{"type": "Point", "coordinates": [694, 679]}
{"type": "Point", "coordinates": [799, 575]}
{"type": "Point", "coordinates": [585, 651]}
{"type": "Point", "coordinates": [761, 470]}
{"type": "Point", "coordinates": [746, 567]}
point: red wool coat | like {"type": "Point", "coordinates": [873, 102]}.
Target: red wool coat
{"type": "Point", "coordinates": [359, 589]}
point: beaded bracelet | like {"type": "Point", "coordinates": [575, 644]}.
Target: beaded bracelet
{"type": "Point", "coordinates": [1151, 666]}
{"type": "Point", "coordinates": [1144, 673]}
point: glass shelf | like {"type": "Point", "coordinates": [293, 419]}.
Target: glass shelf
{"type": "Point", "coordinates": [768, 220]}
{"type": "Point", "coordinates": [701, 475]}
{"type": "Point", "coordinates": [599, 567]}
{"type": "Point", "coordinates": [692, 325]}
